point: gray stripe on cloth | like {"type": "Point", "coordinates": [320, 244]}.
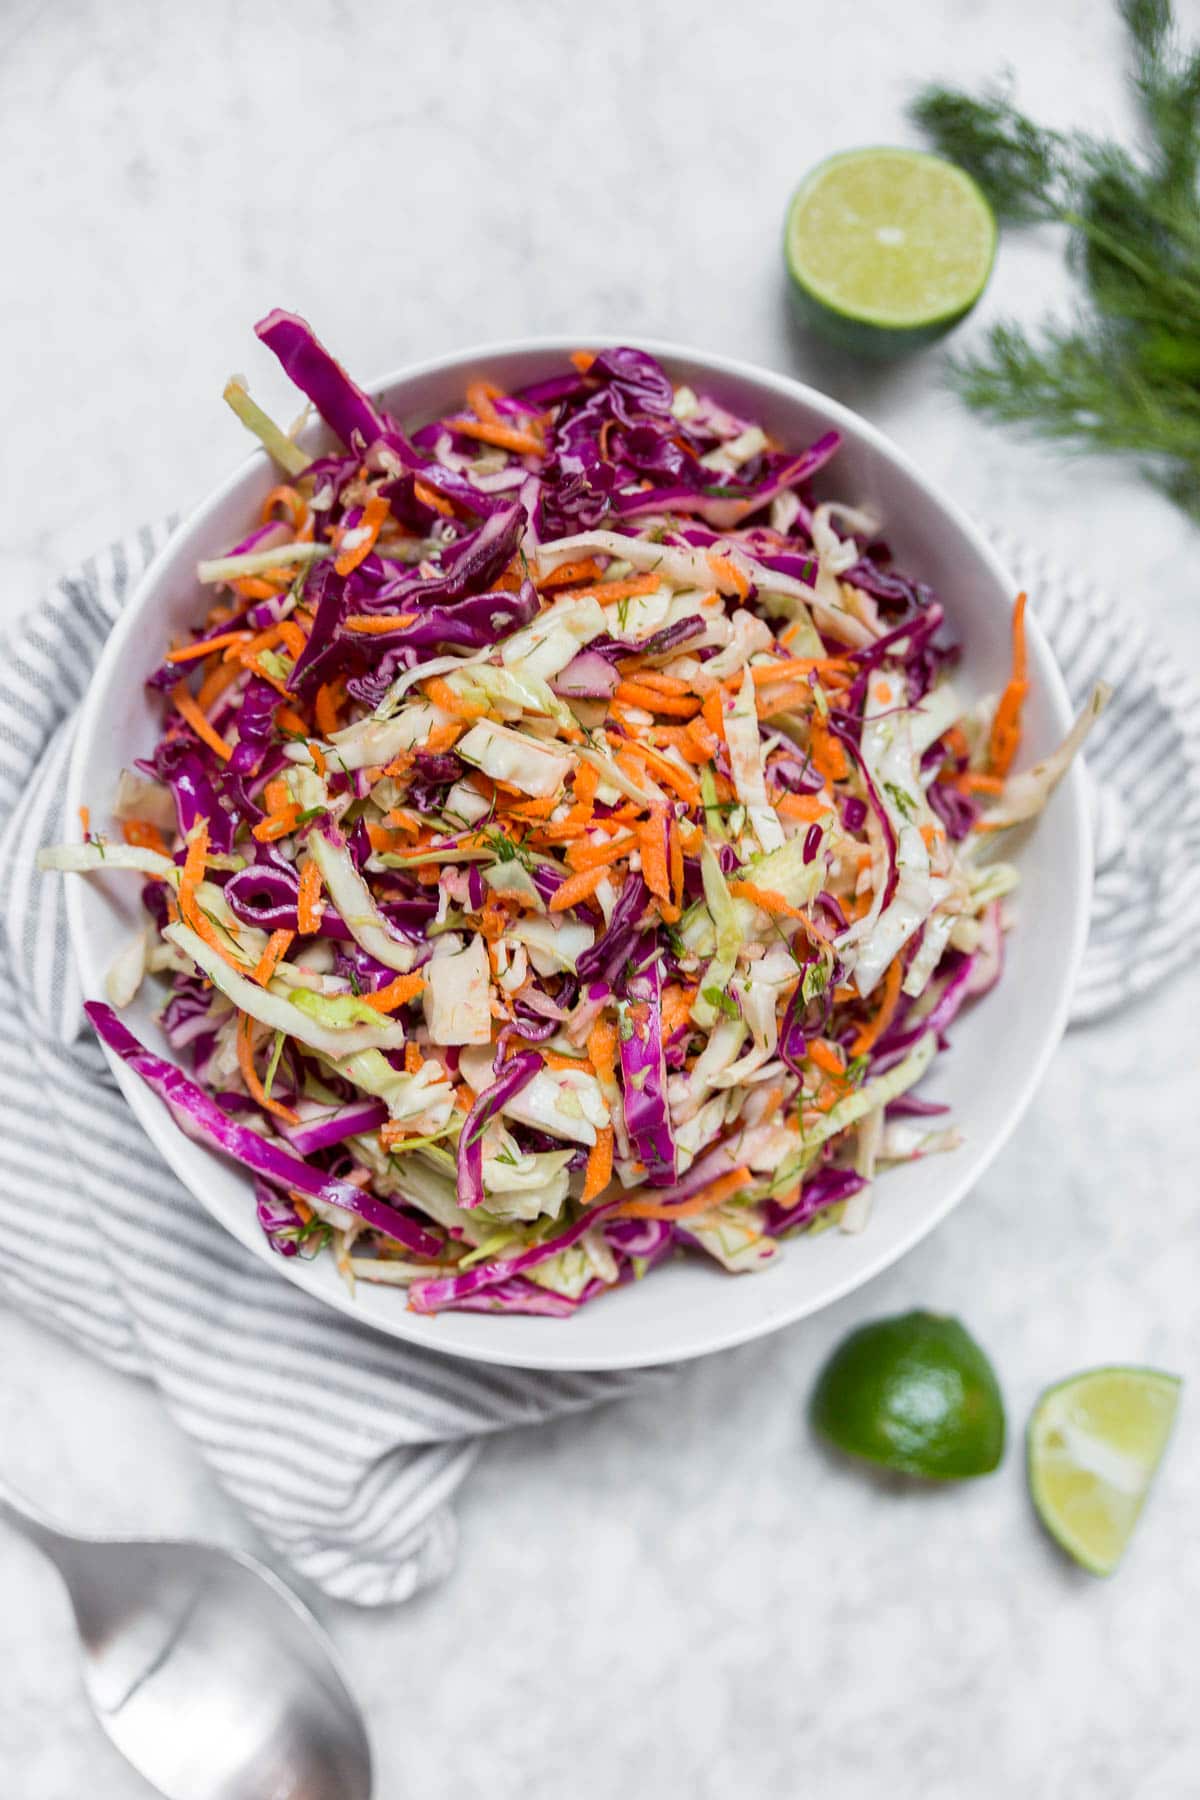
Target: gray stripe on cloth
{"type": "Point", "coordinates": [1143, 758]}
{"type": "Point", "coordinates": [346, 1449]}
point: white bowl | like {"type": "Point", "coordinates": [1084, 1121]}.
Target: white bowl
{"type": "Point", "coordinates": [999, 1047]}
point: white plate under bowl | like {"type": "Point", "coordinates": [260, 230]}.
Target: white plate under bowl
{"type": "Point", "coordinates": [999, 1048]}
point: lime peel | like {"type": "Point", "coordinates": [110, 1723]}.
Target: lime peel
{"type": "Point", "coordinates": [914, 1394]}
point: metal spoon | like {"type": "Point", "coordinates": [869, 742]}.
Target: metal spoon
{"type": "Point", "coordinates": [205, 1670]}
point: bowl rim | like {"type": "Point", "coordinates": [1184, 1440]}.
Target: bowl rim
{"type": "Point", "coordinates": [157, 1121]}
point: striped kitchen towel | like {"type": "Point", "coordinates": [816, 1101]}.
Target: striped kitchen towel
{"type": "Point", "coordinates": [344, 1447]}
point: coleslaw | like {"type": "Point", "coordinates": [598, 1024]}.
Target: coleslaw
{"type": "Point", "coordinates": [566, 843]}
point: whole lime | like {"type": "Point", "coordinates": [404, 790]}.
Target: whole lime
{"type": "Point", "coordinates": [914, 1393]}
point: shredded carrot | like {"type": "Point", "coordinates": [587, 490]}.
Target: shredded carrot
{"type": "Point", "coordinates": [247, 651]}
{"type": "Point", "coordinates": [795, 697]}
{"type": "Point", "coordinates": [598, 1173]}
{"type": "Point", "coordinates": [827, 1096]}
{"type": "Point", "coordinates": [292, 503]}
{"type": "Point", "coordinates": [396, 993]}
{"type": "Point", "coordinates": [1005, 737]}
{"type": "Point", "coordinates": [766, 898]}
{"type": "Point", "coordinates": [194, 863]}
{"type": "Point", "coordinates": [277, 796]}
{"type": "Point", "coordinates": [206, 646]}
{"type": "Point", "coordinates": [257, 667]}
{"type": "Point", "coordinates": [782, 668]}
{"type": "Point", "coordinates": [810, 807]}
{"type": "Point", "coordinates": [972, 783]}
{"type": "Point", "coordinates": [308, 916]}
{"type": "Point", "coordinates": [654, 678]}
{"type": "Point", "coordinates": [675, 863]}
{"type": "Point", "coordinates": [505, 437]}
{"type": "Point", "coordinates": [375, 624]}
{"type": "Point", "coordinates": [725, 569]}
{"type": "Point", "coordinates": [587, 780]}
{"type": "Point", "coordinates": [826, 1056]}
{"type": "Point", "coordinates": [277, 825]}
{"type": "Point", "coordinates": [438, 689]}
{"type": "Point", "coordinates": [414, 1062]}
{"type": "Point", "coordinates": [586, 568]}
{"type": "Point", "coordinates": [480, 395]}
{"type": "Point", "coordinates": [441, 737]}
{"type": "Point", "coordinates": [602, 1049]}
{"type": "Point", "coordinates": [254, 1087]}
{"type": "Point", "coordinates": [266, 586]}
{"type": "Point", "coordinates": [713, 713]}
{"type": "Point", "coordinates": [294, 640]}
{"type": "Point", "coordinates": [828, 756]}
{"type": "Point", "coordinates": [510, 581]}
{"type": "Point", "coordinates": [655, 871]}
{"type": "Point", "coordinates": [186, 707]}
{"type": "Point", "coordinates": [633, 753]}
{"type": "Point", "coordinates": [145, 836]}
{"type": "Point", "coordinates": [381, 839]}
{"type": "Point", "coordinates": [634, 693]}
{"type": "Point", "coordinates": [554, 1059]}
{"type": "Point", "coordinates": [278, 945]}
{"type": "Point", "coordinates": [576, 888]}
{"type": "Point", "coordinates": [190, 910]}
{"type": "Point", "coordinates": [330, 696]}
{"type": "Point", "coordinates": [291, 722]}
{"type": "Point", "coordinates": [710, 1196]}
{"type": "Point", "coordinates": [586, 855]}
{"type": "Point", "coordinates": [630, 763]}
{"type": "Point", "coordinates": [430, 497]}
{"type": "Point", "coordinates": [582, 360]}
{"type": "Point", "coordinates": [869, 1035]}
{"type": "Point", "coordinates": [608, 592]}
{"type": "Point", "coordinates": [357, 543]}
{"type": "Point", "coordinates": [698, 741]}
{"type": "Point", "coordinates": [526, 809]}
{"type": "Point", "coordinates": [221, 676]}
{"type": "Point", "coordinates": [494, 919]}
{"type": "Point", "coordinates": [676, 1009]}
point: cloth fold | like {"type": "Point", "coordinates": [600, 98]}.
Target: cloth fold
{"type": "Point", "coordinates": [346, 1448]}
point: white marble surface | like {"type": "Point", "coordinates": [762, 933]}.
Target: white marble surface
{"type": "Point", "coordinates": [682, 1595]}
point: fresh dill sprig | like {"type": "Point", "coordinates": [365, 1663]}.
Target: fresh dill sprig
{"type": "Point", "coordinates": [1124, 376]}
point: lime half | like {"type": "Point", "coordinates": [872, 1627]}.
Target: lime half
{"type": "Point", "coordinates": [887, 249]}
{"type": "Point", "coordinates": [914, 1393]}
{"type": "Point", "coordinates": [1095, 1442]}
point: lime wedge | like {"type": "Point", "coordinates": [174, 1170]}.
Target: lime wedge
{"type": "Point", "coordinates": [887, 249]}
{"type": "Point", "coordinates": [913, 1393]}
{"type": "Point", "coordinates": [1095, 1442]}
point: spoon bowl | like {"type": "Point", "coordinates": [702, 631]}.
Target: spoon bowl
{"type": "Point", "coordinates": [205, 1670]}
